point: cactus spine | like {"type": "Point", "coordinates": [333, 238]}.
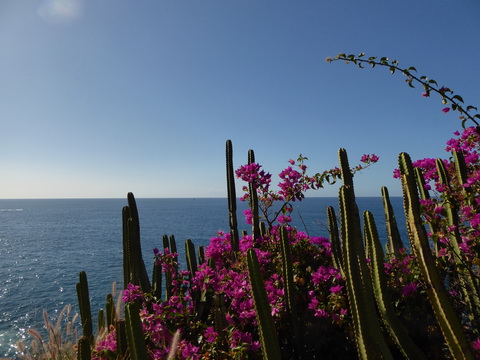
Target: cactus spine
{"type": "Point", "coordinates": [443, 309]}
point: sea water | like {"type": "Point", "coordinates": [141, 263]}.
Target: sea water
{"type": "Point", "coordinates": [44, 244]}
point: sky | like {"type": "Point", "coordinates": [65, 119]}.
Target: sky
{"type": "Point", "coordinates": [102, 97]}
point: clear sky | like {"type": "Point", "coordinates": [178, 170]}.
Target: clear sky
{"type": "Point", "coordinates": [102, 97]}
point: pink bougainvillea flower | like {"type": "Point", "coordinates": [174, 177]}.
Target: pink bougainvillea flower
{"type": "Point", "coordinates": [409, 289]}
{"type": "Point", "coordinates": [426, 94]}
{"type": "Point", "coordinates": [446, 109]}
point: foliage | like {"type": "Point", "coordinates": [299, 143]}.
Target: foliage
{"type": "Point", "coordinates": [454, 101]}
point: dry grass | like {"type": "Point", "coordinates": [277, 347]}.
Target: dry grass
{"type": "Point", "coordinates": [62, 342]}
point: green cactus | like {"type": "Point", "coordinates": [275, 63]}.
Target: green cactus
{"type": "Point", "coordinates": [443, 309]}
{"type": "Point", "coordinates": [383, 297]}
{"type": "Point", "coordinates": [232, 198]}
{"type": "Point", "coordinates": [110, 310]}
{"type": "Point", "coordinates": [135, 336]}
{"type": "Point", "coordinates": [101, 320]}
{"type": "Point", "coordinates": [335, 239]}
{"type": "Point", "coordinates": [394, 242]}
{"type": "Point", "coordinates": [137, 273]}
{"type": "Point", "coordinates": [84, 351]}
{"type": "Point", "coordinates": [201, 254]}
{"type": "Point", "coordinates": [266, 327]}
{"type": "Point", "coordinates": [121, 332]}
{"type": "Point", "coordinates": [289, 290]}
{"type": "Point", "coordinates": [368, 333]}
{"type": "Point", "coordinates": [191, 257]}
{"type": "Point", "coordinates": [252, 191]}
{"type": "Point", "coordinates": [84, 305]}
{"type": "Point", "coordinates": [469, 286]}
{"type": "Point", "coordinates": [157, 280]}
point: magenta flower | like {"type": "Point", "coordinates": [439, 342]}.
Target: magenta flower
{"type": "Point", "coordinates": [426, 94]}
{"type": "Point", "coordinates": [131, 293]}
{"type": "Point", "coordinates": [446, 109]}
{"type": "Point", "coordinates": [409, 289]}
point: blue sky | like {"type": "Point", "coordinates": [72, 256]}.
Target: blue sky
{"type": "Point", "coordinates": [102, 97]}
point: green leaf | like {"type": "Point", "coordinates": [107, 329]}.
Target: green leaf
{"type": "Point", "coordinates": [458, 97]}
{"type": "Point", "coordinates": [432, 82]}
{"type": "Point", "coordinates": [392, 70]}
{"type": "Point", "coordinates": [470, 107]}
{"type": "Point", "coordinates": [411, 68]}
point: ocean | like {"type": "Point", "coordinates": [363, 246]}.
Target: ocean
{"type": "Point", "coordinates": [45, 243]}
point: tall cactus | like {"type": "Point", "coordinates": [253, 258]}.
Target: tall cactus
{"type": "Point", "coordinates": [135, 337]}
{"type": "Point", "coordinates": [252, 191]}
{"type": "Point", "coordinates": [266, 327]}
{"type": "Point", "coordinates": [368, 333]}
{"type": "Point", "coordinates": [84, 351]}
{"type": "Point", "coordinates": [232, 198]}
{"type": "Point", "coordinates": [394, 242]}
{"type": "Point", "coordinates": [383, 297]}
{"type": "Point", "coordinates": [443, 309]}
{"type": "Point", "coordinates": [290, 302]}
{"type": "Point", "coordinates": [137, 273]}
{"type": "Point", "coordinates": [335, 239]}
{"type": "Point", "coordinates": [84, 305]}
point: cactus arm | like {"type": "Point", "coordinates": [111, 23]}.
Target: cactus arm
{"type": "Point", "coordinates": [110, 310]}
{"type": "Point", "coordinates": [394, 243]}
{"type": "Point", "coordinates": [84, 305]}
{"type": "Point", "coordinates": [266, 327]}
{"type": "Point", "coordinates": [382, 295]}
{"type": "Point", "coordinates": [443, 309]}
{"type": "Point", "coordinates": [137, 271]}
{"type": "Point", "coordinates": [252, 191]}
{"type": "Point", "coordinates": [232, 198]}
{"type": "Point", "coordinates": [335, 239]}
{"type": "Point", "coordinates": [191, 257]}
{"type": "Point", "coordinates": [84, 351]}
{"type": "Point", "coordinates": [135, 337]}
{"type": "Point", "coordinates": [368, 334]}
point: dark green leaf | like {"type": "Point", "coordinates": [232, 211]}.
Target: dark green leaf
{"type": "Point", "coordinates": [458, 97]}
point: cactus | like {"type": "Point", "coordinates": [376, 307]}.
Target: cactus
{"type": "Point", "coordinates": [467, 279]}
{"type": "Point", "coordinates": [157, 280]}
{"type": "Point", "coordinates": [291, 305]}
{"type": "Point", "coordinates": [443, 309]}
{"type": "Point", "coordinates": [135, 337]}
{"type": "Point", "coordinates": [110, 310]}
{"type": "Point", "coordinates": [382, 295]}
{"type": "Point", "coordinates": [83, 349]}
{"type": "Point", "coordinates": [101, 320]}
{"type": "Point", "coordinates": [252, 191]}
{"type": "Point", "coordinates": [201, 254]}
{"type": "Point", "coordinates": [191, 258]}
{"type": "Point", "coordinates": [266, 327]}
{"type": "Point", "coordinates": [84, 305]}
{"type": "Point", "coordinates": [394, 243]}
{"type": "Point", "coordinates": [368, 333]}
{"type": "Point", "coordinates": [335, 239]}
{"type": "Point", "coordinates": [121, 332]}
{"type": "Point", "coordinates": [134, 267]}
{"type": "Point", "coordinates": [232, 198]}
